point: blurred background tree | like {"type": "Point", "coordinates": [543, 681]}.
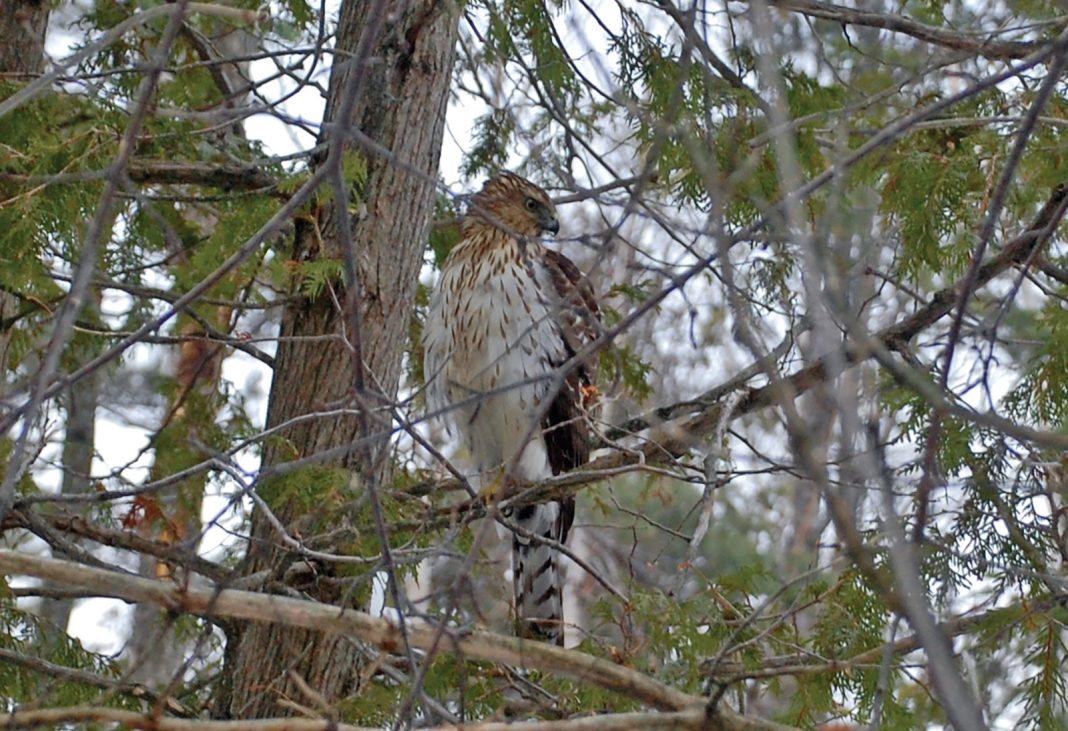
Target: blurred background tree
{"type": "Point", "coordinates": [829, 485]}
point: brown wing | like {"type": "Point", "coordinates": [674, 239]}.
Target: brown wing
{"type": "Point", "coordinates": [566, 430]}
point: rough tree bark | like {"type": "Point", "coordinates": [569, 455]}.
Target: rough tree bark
{"type": "Point", "coordinates": [22, 34]}
{"type": "Point", "coordinates": [402, 109]}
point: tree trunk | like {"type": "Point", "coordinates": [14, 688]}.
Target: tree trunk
{"type": "Point", "coordinates": [402, 108]}
{"type": "Point", "coordinates": [79, 445]}
{"type": "Point", "coordinates": [22, 34]}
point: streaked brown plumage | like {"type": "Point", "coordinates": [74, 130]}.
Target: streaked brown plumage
{"type": "Point", "coordinates": [507, 313]}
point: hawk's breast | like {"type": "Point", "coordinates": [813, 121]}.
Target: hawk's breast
{"type": "Point", "coordinates": [492, 344]}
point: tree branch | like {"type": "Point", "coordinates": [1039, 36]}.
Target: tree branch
{"type": "Point", "coordinates": [79, 526]}
{"type": "Point", "coordinates": [328, 618]}
{"type": "Point", "coordinates": [896, 337]}
{"type": "Point", "coordinates": [143, 17]}
{"type": "Point", "coordinates": [136, 690]}
{"type": "Point", "coordinates": [694, 718]}
{"type": "Point", "coordinates": [217, 175]}
{"type": "Point", "coordinates": [227, 176]}
{"type": "Point", "coordinates": [900, 24]}
{"type": "Point", "coordinates": [665, 441]}
{"type": "Point", "coordinates": [770, 667]}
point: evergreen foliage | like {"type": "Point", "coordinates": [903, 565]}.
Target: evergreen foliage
{"type": "Point", "coordinates": [779, 444]}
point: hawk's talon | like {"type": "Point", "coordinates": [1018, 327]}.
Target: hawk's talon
{"type": "Point", "coordinates": [497, 489]}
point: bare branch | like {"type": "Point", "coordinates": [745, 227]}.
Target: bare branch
{"type": "Point", "coordinates": [690, 719]}
{"type": "Point", "coordinates": [328, 618]}
{"type": "Point", "coordinates": [227, 176]}
{"type": "Point", "coordinates": [900, 24]}
{"type": "Point", "coordinates": [85, 677]}
{"type": "Point", "coordinates": [135, 21]}
{"type": "Point", "coordinates": [665, 441]}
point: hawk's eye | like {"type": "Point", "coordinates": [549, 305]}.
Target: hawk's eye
{"type": "Point", "coordinates": [532, 204]}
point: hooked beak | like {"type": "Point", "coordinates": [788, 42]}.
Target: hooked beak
{"type": "Point", "coordinates": [550, 223]}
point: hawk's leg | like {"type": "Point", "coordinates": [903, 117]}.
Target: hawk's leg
{"type": "Point", "coordinates": [500, 487]}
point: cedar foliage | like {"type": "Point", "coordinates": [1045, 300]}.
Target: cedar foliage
{"type": "Point", "coordinates": [691, 127]}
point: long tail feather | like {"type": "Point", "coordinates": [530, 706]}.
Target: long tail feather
{"type": "Point", "coordinates": [536, 575]}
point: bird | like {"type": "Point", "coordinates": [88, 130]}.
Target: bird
{"type": "Point", "coordinates": [506, 315]}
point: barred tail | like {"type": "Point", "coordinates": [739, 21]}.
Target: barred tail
{"type": "Point", "coordinates": [539, 599]}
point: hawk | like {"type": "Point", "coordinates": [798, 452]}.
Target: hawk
{"type": "Point", "coordinates": [506, 314]}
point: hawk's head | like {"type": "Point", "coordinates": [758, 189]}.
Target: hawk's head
{"type": "Point", "coordinates": [513, 204]}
